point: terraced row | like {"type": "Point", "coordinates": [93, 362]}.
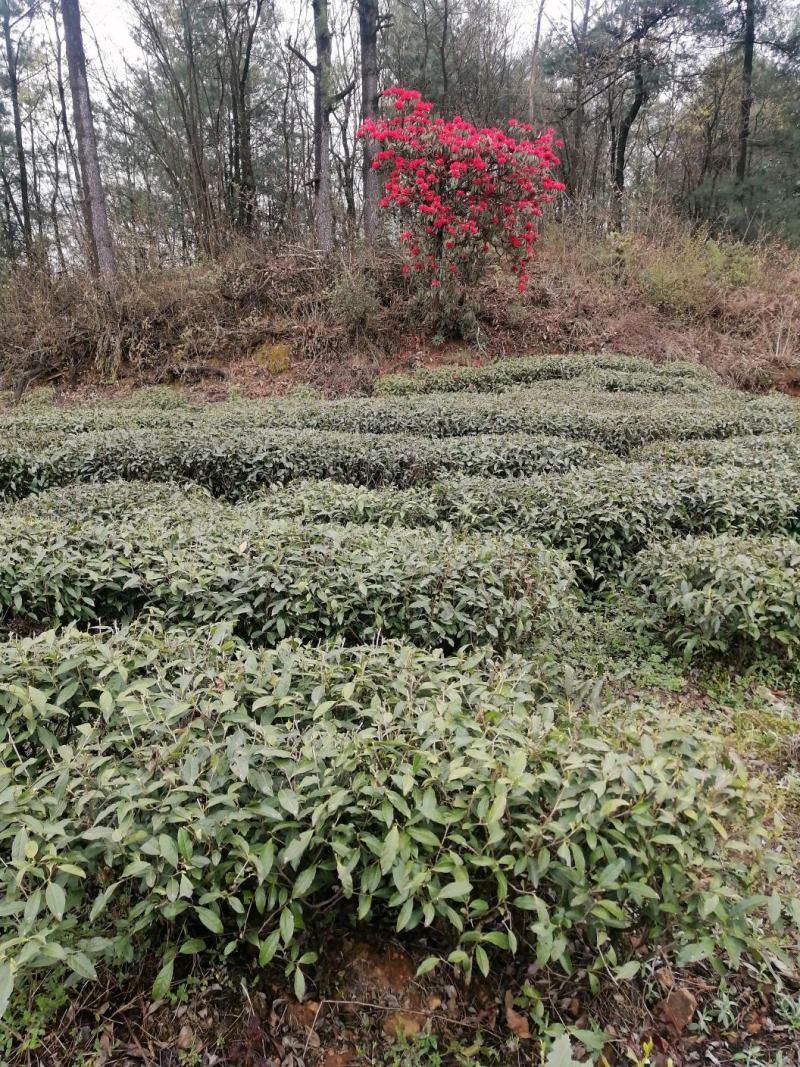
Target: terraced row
{"type": "Point", "coordinates": [278, 578]}
{"type": "Point", "coordinates": [617, 422]}
{"type": "Point", "coordinates": [236, 464]}
{"type": "Point", "coordinates": [112, 552]}
{"type": "Point", "coordinates": [616, 419]}
{"type": "Point", "coordinates": [600, 516]}
{"type": "Point", "coordinates": [159, 787]}
{"type": "Point", "coordinates": [613, 373]}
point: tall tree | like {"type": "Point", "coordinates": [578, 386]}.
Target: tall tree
{"type": "Point", "coordinates": [368, 20]}
{"type": "Point", "coordinates": [325, 100]}
{"type": "Point", "coordinates": [322, 125]}
{"type": "Point", "coordinates": [10, 18]}
{"type": "Point", "coordinates": [621, 133]}
{"type": "Point", "coordinates": [534, 74]}
{"type": "Point", "coordinates": [92, 182]}
{"type": "Point", "coordinates": [746, 101]}
{"type": "Point", "coordinates": [576, 170]}
{"type": "Point", "coordinates": [240, 30]}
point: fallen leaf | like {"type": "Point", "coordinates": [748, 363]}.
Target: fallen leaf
{"type": "Point", "coordinates": [665, 977]}
{"type": "Point", "coordinates": [517, 1023]}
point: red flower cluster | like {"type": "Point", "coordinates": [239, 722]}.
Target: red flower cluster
{"type": "Point", "coordinates": [463, 190]}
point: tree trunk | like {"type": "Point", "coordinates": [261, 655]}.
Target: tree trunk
{"type": "Point", "coordinates": [322, 120]}
{"type": "Point", "coordinates": [240, 36]}
{"type": "Point", "coordinates": [443, 55]}
{"type": "Point", "coordinates": [746, 102]}
{"type": "Point", "coordinates": [368, 26]}
{"type": "Point", "coordinates": [89, 249]}
{"type": "Point", "coordinates": [248, 201]}
{"type": "Point", "coordinates": [22, 165]}
{"type": "Point", "coordinates": [534, 72]}
{"type": "Point", "coordinates": [622, 134]}
{"type": "Point", "coordinates": [577, 170]}
{"type": "Point", "coordinates": [87, 142]}
{"type": "Point", "coordinates": [247, 197]}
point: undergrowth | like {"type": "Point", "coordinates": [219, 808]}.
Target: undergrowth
{"type": "Point", "coordinates": [665, 292]}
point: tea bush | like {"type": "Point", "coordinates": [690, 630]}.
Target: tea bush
{"type": "Point", "coordinates": [278, 579]}
{"type": "Point", "coordinates": [768, 451]}
{"type": "Point", "coordinates": [112, 502]}
{"type": "Point", "coordinates": [237, 463]}
{"type": "Point", "coordinates": [527, 370]}
{"type": "Point", "coordinates": [599, 517]}
{"type": "Point", "coordinates": [616, 421]}
{"type": "Point", "coordinates": [182, 791]}
{"type": "Point", "coordinates": [725, 595]}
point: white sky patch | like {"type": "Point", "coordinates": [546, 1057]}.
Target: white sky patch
{"type": "Point", "coordinates": [108, 22]}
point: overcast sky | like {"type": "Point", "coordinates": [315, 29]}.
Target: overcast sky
{"type": "Point", "coordinates": [108, 20]}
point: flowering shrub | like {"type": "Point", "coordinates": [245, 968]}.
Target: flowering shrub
{"type": "Point", "coordinates": [462, 190]}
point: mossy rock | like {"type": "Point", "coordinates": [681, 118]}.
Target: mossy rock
{"type": "Point", "coordinates": [274, 358]}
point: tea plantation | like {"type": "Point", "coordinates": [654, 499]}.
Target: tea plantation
{"type": "Point", "coordinates": [500, 662]}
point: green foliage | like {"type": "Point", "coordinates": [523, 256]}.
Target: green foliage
{"type": "Point", "coordinates": [688, 275]}
{"type": "Point", "coordinates": [157, 786]}
{"type": "Point", "coordinates": [237, 463]}
{"type": "Point", "coordinates": [422, 1050]}
{"type": "Point", "coordinates": [625, 373]}
{"type": "Point", "coordinates": [278, 579]}
{"type": "Point", "coordinates": [600, 410]}
{"type": "Point", "coordinates": [728, 595]}
{"type": "Point", "coordinates": [226, 788]}
{"type": "Point", "coordinates": [618, 421]}
{"type": "Point", "coordinates": [156, 398]}
{"type": "Point", "coordinates": [33, 1011]}
{"type": "Point", "coordinates": [111, 501]}
{"type": "Point", "coordinates": [767, 451]}
{"type": "Point", "coordinates": [599, 516]}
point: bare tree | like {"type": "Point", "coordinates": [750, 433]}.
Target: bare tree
{"type": "Point", "coordinates": [369, 24]}
{"type": "Point", "coordinates": [534, 73]}
{"type": "Point", "coordinates": [12, 61]}
{"type": "Point", "coordinates": [577, 169]}
{"type": "Point", "coordinates": [240, 31]}
{"type": "Point", "coordinates": [325, 100]}
{"type": "Point", "coordinates": [619, 143]}
{"type": "Point", "coordinates": [87, 142]}
{"type": "Point", "coordinates": [322, 125]}
{"type": "Point", "coordinates": [746, 102]}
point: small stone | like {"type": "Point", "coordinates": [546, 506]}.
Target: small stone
{"type": "Point", "coordinates": [679, 1008]}
{"type": "Point", "coordinates": [402, 1024]}
{"type": "Point", "coordinates": [185, 1038]}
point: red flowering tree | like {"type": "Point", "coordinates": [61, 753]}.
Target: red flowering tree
{"type": "Point", "coordinates": [462, 191]}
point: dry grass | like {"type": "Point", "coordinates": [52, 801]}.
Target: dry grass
{"type": "Point", "coordinates": [192, 323]}
{"type": "Point", "coordinates": [662, 291]}
{"type": "Point", "coordinates": [665, 292]}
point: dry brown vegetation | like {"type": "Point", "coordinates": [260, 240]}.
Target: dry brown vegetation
{"type": "Point", "coordinates": [263, 317]}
